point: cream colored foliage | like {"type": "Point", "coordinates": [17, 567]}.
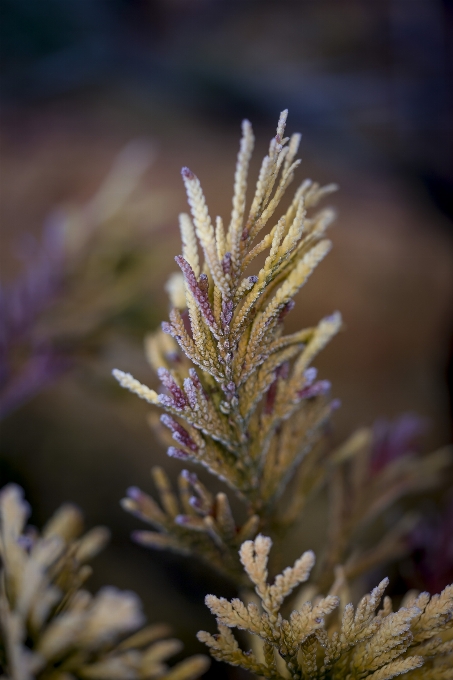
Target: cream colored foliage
{"type": "Point", "coordinates": [128, 381]}
{"type": "Point", "coordinates": [50, 627]}
{"type": "Point", "coordinates": [176, 291]}
{"type": "Point", "coordinates": [317, 642]}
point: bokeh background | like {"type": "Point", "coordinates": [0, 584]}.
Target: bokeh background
{"type": "Point", "coordinates": [145, 87]}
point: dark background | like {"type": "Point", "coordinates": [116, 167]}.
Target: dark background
{"type": "Point", "coordinates": [369, 84]}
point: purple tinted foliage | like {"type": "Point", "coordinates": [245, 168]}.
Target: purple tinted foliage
{"type": "Point", "coordinates": [226, 263]}
{"type": "Point", "coordinates": [173, 452]}
{"type": "Point", "coordinates": [196, 503]}
{"type": "Point", "coordinates": [203, 283]}
{"type": "Point", "coordinates": [191, 392]}
{"type": "Point", "coordinates": [229, 390]}
{"type": "Point", "coordinates": [41, 369]}
{"type": "Point", "coordinates": [166, 401]}
{"type": "Point", "coordinates": [286, 309]}
{"type": "Point", "coordinates": [25, 542]}
{"type": "Point", "coordinates": [173, 357]}
{"type": "Point", "coordinates": [283, 370]}
{"type": "Point", "coordinates": [432, 543]}
{"type": "Point", "coordinates": [226, 313]}
{"type": "Point", "coordinates": [200, 501]}
{"type": "Point", "coordinates": [335, 404]}
{"type": "Point", "coordinates": [195, 379]}
{"type": "Point", "coordinates": [270, 397]}
{"type": "Point", "coordinates": [191, 477]}
{"type": "Point", "coordinates": [391, 440]}
{"type": "Point", "coordinates": [134, 493]}
{"type": "Point", "coordinates": [35, 289]}
{"type": "Point", "coordinates": [310, 375]}
{"type": "Point", "coordinates": [180, 434]}
{"type": "Point", "coordinates": [187, 173]}
{"type": "Point", "coordinates": [141, 537]}
{"type": "Point", "coordinates": [179, 398]}
{"type": "Point", "coordinates": [166, 327]}
{"type": "Point", "coordinates": [199, 294]}
{"type": "Point", "coordinates": [231, 387]}
{"type": "Point", "coordinates": [21, 304]}
{"type": "Point", "coordinates": [281, 373]}
{"type": "Point", "coordinates": [319, 388]}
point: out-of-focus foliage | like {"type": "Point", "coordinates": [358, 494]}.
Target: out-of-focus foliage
{"type": "Point", "coordinates": [86, 276]}
{"type": "Point", "coordinates": [431, 545]}
{"type": "Point", "coordinates": [51, 627]}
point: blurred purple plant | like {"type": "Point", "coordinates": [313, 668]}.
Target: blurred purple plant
{"type": "Point", "coordinates": [432, 543]}
{"type": "Point", "coordinates": [22, 301]}
{"type": "Point", "coordinates": [21, 304]}
{"type": "Point", "coordinates": [57, 301]}
{"type": "Point", "coordinates": [394, 439]}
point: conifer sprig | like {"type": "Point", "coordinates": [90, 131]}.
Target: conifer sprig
{"type": "Point", "coordinates": [250, 386]}
{"type": "Point", "coordinates": [241, 397]}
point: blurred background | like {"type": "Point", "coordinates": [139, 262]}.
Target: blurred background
{"type": "Point", "coordinates": [103, 101]}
